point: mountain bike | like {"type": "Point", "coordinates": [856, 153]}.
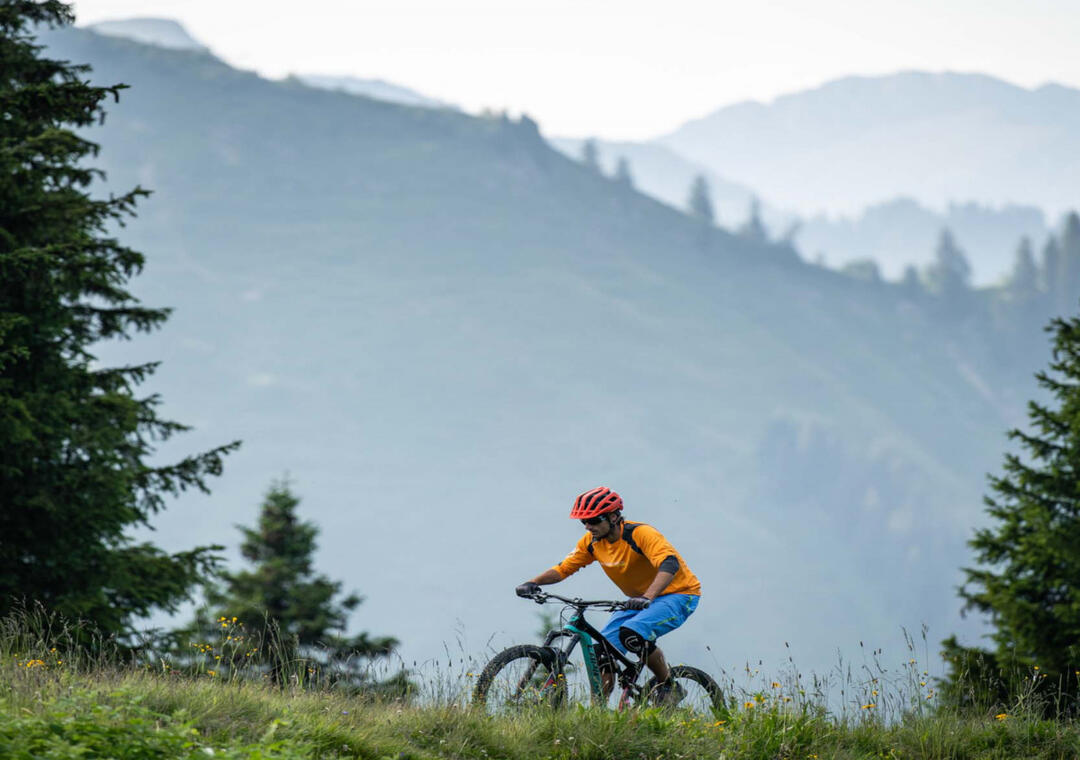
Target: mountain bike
{"type": "Point", "coordinates": [551, 675]}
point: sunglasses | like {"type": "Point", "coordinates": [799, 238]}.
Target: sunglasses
{"type": "Point", "coordinates": [594, 520]}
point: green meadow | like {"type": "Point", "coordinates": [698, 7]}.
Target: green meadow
{"type": "Point", "coordinates": [60, 702]}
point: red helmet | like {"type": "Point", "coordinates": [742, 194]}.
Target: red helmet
{"type": "Point", "coordinates": [598, 501]}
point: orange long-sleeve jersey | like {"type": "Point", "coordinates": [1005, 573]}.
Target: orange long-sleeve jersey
{"type": "Point", "coordinates": [633, 561]}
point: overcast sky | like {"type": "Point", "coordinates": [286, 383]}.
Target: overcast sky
{"type": "Point", "coordinates": [626, 69]}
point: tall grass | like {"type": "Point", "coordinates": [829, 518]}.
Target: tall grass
{"type": "Point", "coordinates": [60, 699]}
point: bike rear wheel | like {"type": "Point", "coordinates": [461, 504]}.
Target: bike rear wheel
{"type": "Point", "coordinates": [695, 690]}
{"type": "Point", "coordinates": [520, 678]}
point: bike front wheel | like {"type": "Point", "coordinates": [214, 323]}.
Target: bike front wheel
{"type": "Point", "coordinates": [520, 678]}
{"type": "Point", "coordinates": [693, 690]}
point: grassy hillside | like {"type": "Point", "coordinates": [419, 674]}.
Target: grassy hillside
{"type": "Point", "coordinates": [55, 703]}
{"type": "Point", "coordinates": [443, 329]}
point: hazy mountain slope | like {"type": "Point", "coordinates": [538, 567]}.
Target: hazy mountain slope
{"type": "Point", "coordinates": [894, 233]}
{"type": "Point", "coordinates": [444, 329]}
{"type": "Point", "coordinates": [900, 232]}
{"type": "Point", "coordinates": [372, 88]}
{"type": "Point", "coordinates": [934, 137]}
{"type": "Point", "coordinates": [667, 176]}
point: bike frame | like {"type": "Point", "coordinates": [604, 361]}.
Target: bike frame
{"type": "Point", "coordinates": [578, 630]}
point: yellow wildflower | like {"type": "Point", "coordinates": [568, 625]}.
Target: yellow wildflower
{"type": "Point", "coordinates": [748, 705]}
{"type": "Point", "coordinates": [870, 706]}
{"type": "Point", "coordinates": [1001, 716]}
{"type": "Point", "coordinates": [776, 684]}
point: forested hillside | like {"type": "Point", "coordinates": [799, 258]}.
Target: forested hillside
{"type": "Point", "coordinates": [443, 329]}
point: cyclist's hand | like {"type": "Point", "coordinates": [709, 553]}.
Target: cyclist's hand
{"type": "Point", "coordinates": [637, 603]}
{"type": "Point", "coordinates": [527, 589]}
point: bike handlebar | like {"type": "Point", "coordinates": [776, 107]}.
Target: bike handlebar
{"type": "Point", "coordinates": [541, 597]}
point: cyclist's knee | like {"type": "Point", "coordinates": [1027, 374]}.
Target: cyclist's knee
{"type": "Point", "coordinates": [635, 642]}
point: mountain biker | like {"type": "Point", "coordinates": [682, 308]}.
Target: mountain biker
{"type": "Point", "coordinates": [639, 560]}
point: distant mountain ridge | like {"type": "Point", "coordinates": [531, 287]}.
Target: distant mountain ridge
{"type": "Point", "coordinates": [171, 34]}
{"type": "Point", "coordinates": [895, 233]}
{"type": "Point", "coordinates": [373, 88]}
{"type": "Point", "coordinates": [937, 138]}
{"type": "Point", "coordinates": [888, 230]}
{"type": "Point", "coordinates": [162, 32]}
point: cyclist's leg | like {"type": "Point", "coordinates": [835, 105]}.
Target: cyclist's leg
{"type": "Point", "coordinates": [611, 634]}
{"type": "Point", "coordinates": [666, 613]}
{"type": "Point", "coordinates": [658, 665]}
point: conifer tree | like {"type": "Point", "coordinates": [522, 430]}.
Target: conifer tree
{"type": "Point", "coordinates": [1050, 274]}
{"type": "Point", "coordinates": [75, 438]}
{"type": "Point", "coordinates": [1070, 264]}
{"type": "Point", "coordinates": [1022, 305]}
{"type": "Point", "coordinates": [699, 202]}
{"type": "Point", "coordinates": [753, 228]}
{"type": "Point", "coordinates": [287, 610]}
{"type": "Point", "coordinates": [1023, 281]}
{"type": "Point", "coordinates": [1028, 576]}
{"type": "Point", "coordinates": [949, 276]}
{"type": "Point", "coordinates": [910, 282]}
{"type": "Point", "coordinates": [623, 176]}
{"type": "Point", "coordinates": [590, 155]}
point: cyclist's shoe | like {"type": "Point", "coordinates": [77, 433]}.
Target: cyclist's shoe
{"type": "Point", "coordinates": [668, 693]}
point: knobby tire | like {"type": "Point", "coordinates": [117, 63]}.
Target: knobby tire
{"type": "Point", "coordinates": [533, 678]}
{"type": "Point", "coordinates": [699, 677]}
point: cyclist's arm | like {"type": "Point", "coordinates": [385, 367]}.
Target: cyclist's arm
{"type": "Point", "coordinates": [574, 561]}
{"type": "Point", "coordinates": [660, 582]}
{"type": "Point", "coordinates": [547, 577]}
{"type": "Point", "coordinates": [660, 553]}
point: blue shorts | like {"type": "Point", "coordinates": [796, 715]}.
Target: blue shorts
{"type": "Point", "coordinates": [666, 613]}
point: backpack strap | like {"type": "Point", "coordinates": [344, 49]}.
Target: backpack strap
{"type": "Point", "coordinates": [627, 536]}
